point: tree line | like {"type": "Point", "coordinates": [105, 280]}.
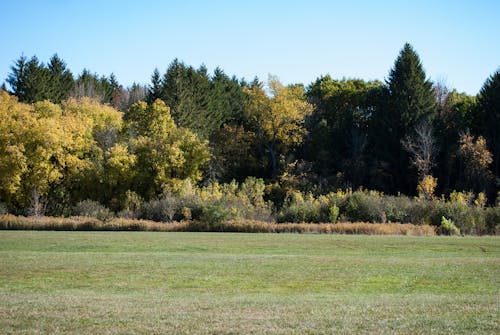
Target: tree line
{"type": "Point", "coordinates": [67, 138]}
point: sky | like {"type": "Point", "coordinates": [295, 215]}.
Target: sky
{"type": "Point", "coordinates": [298, 41]}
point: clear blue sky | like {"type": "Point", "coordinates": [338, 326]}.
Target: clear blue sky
{"type": "Point", "coordinates": [458, 41]}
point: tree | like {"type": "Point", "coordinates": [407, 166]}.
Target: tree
{"type": "Point", "coordinates": [197, 101]}
{"type": "Point", "coordinates": [87, 85]}
{"type": "Point", "coordinates": [17, 78]}
{"type": "Point", "coordinates": [226, 100]}
{"type": "Point", "coordinates": [338, 128]}
{"type": "Point", "coordinates": [476, 160]}
{"type": "Point", "coordinates": [278, 119]}
{"type": "Point", "coordinates": [422, 149]}
{"type": "Point", "coordinates": [41, 148]}
{"type": "Point", "coordinates": [166, 154]}
{"type": "Point", "coordinates": [454, 117]}
{"type": "Point", "coordinates": [488, 117]}
{"type": "Point", "coordinates": [29, 80]}
{"type": "Point", "coordinates": [61, 80]}
{"type": "Point", "coordinates": [155, 89]}
{"type": "Point", "coordinates": [234, 151]}
{"type": "Point", "coordinates": [409, 100]}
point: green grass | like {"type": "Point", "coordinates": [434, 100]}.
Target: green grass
{"type": "Point", "coordinates": [221, 283]}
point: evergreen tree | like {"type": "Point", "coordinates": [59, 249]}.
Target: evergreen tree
{"type": "Point", "coordinates": [187, 91]}
{"type": "Point", "coordinates": [227, 98]}
{"type": "Point", "coordinates": [409, 101]}
{"type": "Point", "coordinates": [171, 84]}
{"type": "Point", "coordinates": [88, 85]}
{"type": "Point", "coordinates": [488, 118]}
{"type": "Point", "coordinates": [61, 79]}
{"type": "Point", "coordinates": [155, 89]}
{"type": "Point", "coordinates": [29, 80]}
{"type": "Point", "coordinates": [17, 78]}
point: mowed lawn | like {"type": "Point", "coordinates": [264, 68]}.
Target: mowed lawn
{"type": "Point", "coordinates": [222, 283]}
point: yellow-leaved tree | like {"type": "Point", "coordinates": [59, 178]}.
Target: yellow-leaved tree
{"type": "Point", "coordinates": [166, 154]}
{"type": "Point", "coordinates": [41, 147]}
{"type": "Point", "coordinates": [278, 118]}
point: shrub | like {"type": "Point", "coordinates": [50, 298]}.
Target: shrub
{"type": "Point", "coordinates": [333, 214]}
{"type": "Point", "coordinates": [468, 219]}
{"type": "Point", "coordinates": [492, 220]}
{"type": "Point", "coordinates": [216, 212]}
{"type": "Point", "coordinates": [298, 208]}
{"type": "Point", "coordinates": [160, 210]}
{"type": "Point", "coordinates": [132, 205]}
{"type": "Point", "coordinates": [448, 227]}
{"type": "Point", "coordinates": [94, 209]}
{"type": "Point", "coordinates": [365, 206]}
{"type": "Point", "coordinates": [3, 208]}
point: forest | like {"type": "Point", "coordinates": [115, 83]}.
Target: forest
{"type": "Point", "coordinates": [194, 145]}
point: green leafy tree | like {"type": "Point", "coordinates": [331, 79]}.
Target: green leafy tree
{"type": "Point", "coordinates": [454, 117]}
{"type": "Point", "coordinates": [234, 154]}
{"type": "Point", "coordinates": [338, 127]}
{"type": "Point", "coordinates": [166, 154]}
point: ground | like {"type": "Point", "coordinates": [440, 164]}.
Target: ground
{"type": "Point", "coordinates": [208, 283]}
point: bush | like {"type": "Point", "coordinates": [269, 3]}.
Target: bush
{"type": "Point", "coordinates": [469, 220]}
{"type": "Point", "coordinates": [492, 220]}
{"type": "Point", "coordinates": [333, 214]}
{"type": "Point", "coordinates": [132, 206]}
{"type": "Point", "coordinates": [216, 212]}
{"type": "Point", "coordinates": [160, 210]}
{"type": "Point", "coordinates": [94, 209]}
{"type": "Point", "coordinates": [365, 206]}
{"type": "Point", "coordinates": [300, 209]}
{"type": "Point", "coordinates": [448, 227]}
{"type": "Point", "coordinates": [3, 209]}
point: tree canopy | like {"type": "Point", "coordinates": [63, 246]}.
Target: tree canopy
{"type": "Point", "coordinates": [67, 137]}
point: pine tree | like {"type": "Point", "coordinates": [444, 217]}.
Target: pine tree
{"type": "Point", "coordinates": [408, 102]}
{"type": "Point", "coordinates": [411, 96]}
{"type": "Point", "coordinates": [29, 80]}
{"type": "Point", "coordinates": [61, 79]}
{"type": "Point", "coordinates": [154, 90]}
{"type": "Point", "coordinates": [17, 78]}
{"type": "Point", "coordinates": [227, 98]}
{"type": "Point", "coordinates": [488, 117]}
{"type": "Point", "coordinates": [37, 81]}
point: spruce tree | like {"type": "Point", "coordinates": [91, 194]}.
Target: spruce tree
{"type": "Point", "coordinates": [61, 79]}
{"type": "Point", "coordinates": [488, 117]}
{"type": "Point", "coordinates": [411, 96]}
{"type": "Point", "coordinates": [408, 102]}
{"type": "Point", "coordinates": [17, 78]}
{"type": "Point", "coordinates": [155, 89]}
{"type": "Point", "coordinates": [29, 80]}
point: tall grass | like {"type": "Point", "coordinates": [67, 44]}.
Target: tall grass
{"type": "Point", "coordinates": [11, 222]}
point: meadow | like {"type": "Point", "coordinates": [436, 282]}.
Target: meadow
{"type": "Point", "coordinates": [224, 283]}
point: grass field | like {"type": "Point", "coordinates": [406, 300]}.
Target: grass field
{"type": "Point", "coordinates": [221, 283]}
